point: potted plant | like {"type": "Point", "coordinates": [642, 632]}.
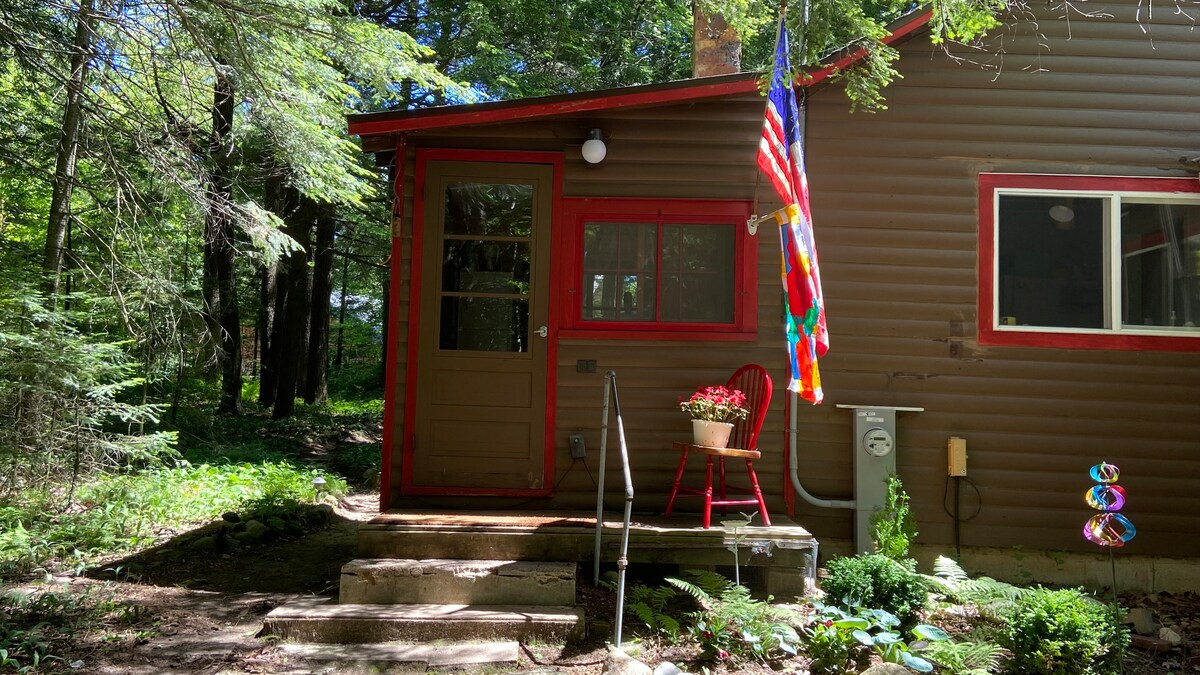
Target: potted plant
{"type": "Point", "coordinates": [713, 410]}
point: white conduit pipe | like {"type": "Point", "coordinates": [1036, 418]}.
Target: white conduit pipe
{"type": "Point", "coordinates": [794, 460]}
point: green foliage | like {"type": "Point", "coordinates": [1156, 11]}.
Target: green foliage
{"type": "Point", "coordinates": [656, 609]}
{"type": "Point", "coordinates": [65, 409]}
{"type": "Point", "coordinates": [127, 512]}
{"type": "Point", "coordinates": [838, 641]}
{"type": "Point", "coordinates": [829, 640]}
{"type": "Point", "coordinates": [1063, 632]}
{"type": "Point", "coordinates": [964, 20]}
{"type": "Point", "coordinates": [966, 657]}
{"type": "Point", "coordinates": [732, 626]}
{"type": "Point", "coordinates": [852, 26]}
{"type": "Point", "coordinates": [893, 528]}
{"type": "Point", "coordinates": [38, 627]}
{"type": "Point", "coordinates": [876, 581]}
{"type": "Point", "coordinates": [991, 599]}
{"type": "Point", "coordinates": [540, 47]}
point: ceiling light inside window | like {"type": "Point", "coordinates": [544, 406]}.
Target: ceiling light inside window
{"type": "Point", "coordinates": [1061, 213]}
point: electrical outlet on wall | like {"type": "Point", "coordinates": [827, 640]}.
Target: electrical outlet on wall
{"type": "Point", "coordinates": [578, 449]}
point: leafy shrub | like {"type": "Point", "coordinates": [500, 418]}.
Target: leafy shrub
{"type": "Point", "coordinates": [876, 581]}
{"type": "Point", "coordinates": [893, 527]}
{"type": "Point", "coordinates": [830, 643]}
{"type": "Point", "coordinates": [839, 641]}
{"type": "Point", "coordinates": [1063, 633]}
{"type": "Point", "coordinates": [732, 626]}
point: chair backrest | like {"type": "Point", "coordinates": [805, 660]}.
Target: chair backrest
{"type": "Point", "coordinates": [753, 381]}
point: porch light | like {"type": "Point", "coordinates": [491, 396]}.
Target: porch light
{"type": "Point", "coordinates": [594, 149]}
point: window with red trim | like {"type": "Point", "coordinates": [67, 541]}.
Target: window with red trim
{"type": "Point", "coordinates": [1091, 262]}
{"type": "Point", "coordinates": [646, 267]}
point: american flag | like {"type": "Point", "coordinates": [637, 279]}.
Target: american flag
{"type": "Point", "coordinates": [781, 157]}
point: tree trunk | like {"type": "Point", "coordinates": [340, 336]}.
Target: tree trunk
{"type": "Point", "coordinates": [266, 326]}
{"type": "Point", "coordinates": [306, 292]}
{"type": "Point", "coordinates": [219, 248]}
{"type": "Point", "coordinates": [337, 362]}
{"type": "Point", "coordinates": [68, 151]}
{"type": "Point", "coordinates": [316, 385]}
{"type": "Point", "coordinates": [274, 295]}
{"type": "Point", "coordinates": [278, 326]}
{"type": "Point", "coordinates": [293, 281]}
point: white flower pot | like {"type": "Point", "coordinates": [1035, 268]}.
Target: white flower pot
{"type": "Point", "coordinates": [711, 434]}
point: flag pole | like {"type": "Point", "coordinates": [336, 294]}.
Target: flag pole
{"type": "Point", "coordinates": [755, 220]}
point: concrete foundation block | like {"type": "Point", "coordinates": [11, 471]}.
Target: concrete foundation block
{"type": "Point", "coordinates": [325, 621]}
{"type": "Point", "coordinates": [432, 656]}
{"type": "Point", "coordinates": [464, 582]}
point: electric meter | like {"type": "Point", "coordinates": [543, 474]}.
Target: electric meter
{"type": "Point", "coordinates": [878, 442]}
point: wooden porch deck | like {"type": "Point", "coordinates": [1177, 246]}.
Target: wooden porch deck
{"type": "Point", "coordinates": [783, 555]}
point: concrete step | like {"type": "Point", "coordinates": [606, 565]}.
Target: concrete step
{"type": "Point", "coordinates": [462, 582]}
{"type": "Point", "coordinates": [431, 656]}
{"type": "Point", "coordinates": [324, 620]}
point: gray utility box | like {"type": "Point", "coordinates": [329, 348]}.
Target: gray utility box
{"type": "Point", "coordinates": [874, 461]}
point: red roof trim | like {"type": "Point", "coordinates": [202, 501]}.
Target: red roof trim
{"type": "Point", "coordinates": [466, 115]}
{"type": "Point", "coordinates": [657, 94]}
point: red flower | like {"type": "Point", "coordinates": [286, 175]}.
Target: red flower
{"type": "Point", "coordinates": [716, 404]}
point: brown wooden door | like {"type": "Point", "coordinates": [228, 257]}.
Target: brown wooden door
{"type": "Point", "coordinates": [481, 371]}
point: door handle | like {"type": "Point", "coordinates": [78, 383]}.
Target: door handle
{"type": "Point", "coordinates": [542, 332]}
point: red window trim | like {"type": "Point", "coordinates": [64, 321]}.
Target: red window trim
{"type": "Point", "coordinates": [991, 334]}
{"type": "Point", "coordinates": [700, 211]}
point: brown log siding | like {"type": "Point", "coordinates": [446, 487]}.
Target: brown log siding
{"type": "Point", "coordinates": [894, 198]}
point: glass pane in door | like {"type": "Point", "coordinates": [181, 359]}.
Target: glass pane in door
{"type": "Point", "coordinates": [489, 209]}
{"type": "Point", "coordinates": [486, 262]}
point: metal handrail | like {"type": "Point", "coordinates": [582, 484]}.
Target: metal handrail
{"type": "Point", "coordinates": [610, 392]}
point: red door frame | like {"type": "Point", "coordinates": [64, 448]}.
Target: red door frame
{"type": "Point", "coordinates": [423, 156]}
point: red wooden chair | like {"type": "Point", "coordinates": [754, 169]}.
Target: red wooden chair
{"type": "Point", "coordinates": [754, 382]}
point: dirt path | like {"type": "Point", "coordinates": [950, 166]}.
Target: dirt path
{"type": "Point", "coordinates": [201, 612]}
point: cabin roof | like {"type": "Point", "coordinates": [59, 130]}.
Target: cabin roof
{"type": "Point", "coordinates": [401, 121]}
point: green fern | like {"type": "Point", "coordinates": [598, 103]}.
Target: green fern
{"type": "Point", "coordinates": [965, 658]}
{"type": "Point", "coordinates": [702, 597]}
{"type": "Point", "coordinates": [991, 598]}
{"type": "Point", "coordinates": [650, 606]}
{"type": "Point", "coordinates": [731, 624]}
{"type": "Point", "coordinates": [948, 569]}
{"type": "Point", "coordinates": [710, 582]}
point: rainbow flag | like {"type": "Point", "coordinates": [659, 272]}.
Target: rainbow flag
{"type": "Point", "coordinates": [781, 157]}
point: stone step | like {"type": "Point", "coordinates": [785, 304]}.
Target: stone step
{"type": "Point", "coordinates": [504, 654]}
{"type": "Point", "coordinates": [461, 582]}
{"type": "Point", "coordinates": [324, 620]}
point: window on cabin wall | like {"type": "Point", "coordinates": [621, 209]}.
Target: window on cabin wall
{"type": "Point", "coordinates": [1102, 258]}
{"type": "Point", "coordinates": [647, 266]}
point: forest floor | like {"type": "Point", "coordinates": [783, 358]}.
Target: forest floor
{"type": "Point", "coordinates": [186, 612]}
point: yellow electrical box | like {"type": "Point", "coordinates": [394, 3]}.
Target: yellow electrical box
{"type": "Point", "coordinates": [956, 450]}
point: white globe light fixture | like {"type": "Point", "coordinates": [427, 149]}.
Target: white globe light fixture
{"type": "Point", "coordinates": [594, 149]}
